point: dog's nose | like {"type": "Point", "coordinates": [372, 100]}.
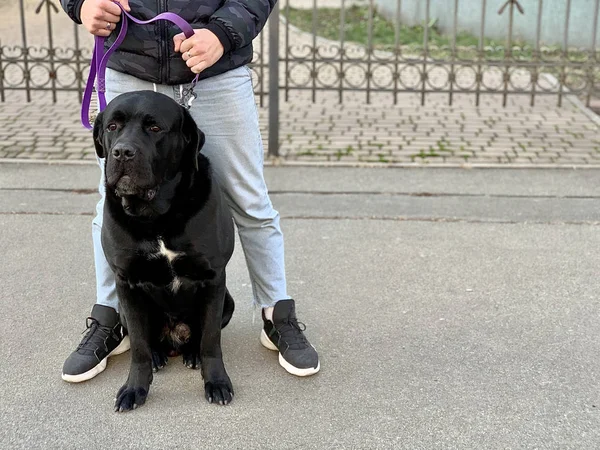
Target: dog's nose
{"type": "Point", "coordinates": [123, 153]}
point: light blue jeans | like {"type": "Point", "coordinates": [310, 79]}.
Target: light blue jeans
{"type": "Point", "coordinates": [226, 112]}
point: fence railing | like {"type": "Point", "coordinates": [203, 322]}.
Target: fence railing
{"type": "Point", "coordinates": [346, 48]}
{"type": "Point", "coordinates": [422, 60]}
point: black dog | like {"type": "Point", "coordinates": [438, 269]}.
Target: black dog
{"type": "Point", "coordinates": [167, 235]}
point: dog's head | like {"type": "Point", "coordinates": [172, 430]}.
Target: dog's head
{"type": "Point", "coordinates": [150, 143]}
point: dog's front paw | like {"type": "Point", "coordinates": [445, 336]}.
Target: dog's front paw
{"type": "Point", "coordinates": [191, 360]}
{"type": "Point", "coordinates": [159, 360]}
{"type": "Point", "coordinates": [219, 391]}
{"type": "Point", "coordinates": [130, 397]}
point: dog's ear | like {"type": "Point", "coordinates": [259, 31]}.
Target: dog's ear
{"type": "Point", "coordinates": [99, 135]}
{"type": "Point", "coordinates": [193, 136]}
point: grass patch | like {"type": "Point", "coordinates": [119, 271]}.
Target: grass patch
{"type": "Point", "coordinates": [356, 25]}
{"type": "Point", "coordinates": [424, 155]}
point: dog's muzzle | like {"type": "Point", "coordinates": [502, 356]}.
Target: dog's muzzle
{"type": "Point", "coordinates": [127, 188]}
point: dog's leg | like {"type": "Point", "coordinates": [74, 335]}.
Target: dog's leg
{"type": "Point", "coordinates": [217, 385]}
{"type": "Point", "coordinates": [190, 351]}
{"type": "Point", "coordinates": [134, 308]}
{"type": "Point", "coordinates": [159, 358]}
{"type": "Point", "coordinates": [158, 348]}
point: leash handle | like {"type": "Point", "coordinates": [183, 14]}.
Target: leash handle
{"type": "Point", "coordinates": [100, 59]}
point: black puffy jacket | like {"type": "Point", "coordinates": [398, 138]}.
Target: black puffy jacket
{"type": "Point", "coordinates": [147, 51]}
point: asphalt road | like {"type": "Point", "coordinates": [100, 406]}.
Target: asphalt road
{"type": "Point", "coordinates": [453, 309]}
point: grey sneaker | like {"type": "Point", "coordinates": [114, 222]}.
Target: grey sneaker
{"type": "Point", "coordinates": [105, 337]}
{"type": "Point", "coordinates": [285, 335]}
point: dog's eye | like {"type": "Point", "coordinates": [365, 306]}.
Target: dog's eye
{"type": "Point", "coordinates": [155, 128]}
{"type": "Point", "coordinates": [111, 126]}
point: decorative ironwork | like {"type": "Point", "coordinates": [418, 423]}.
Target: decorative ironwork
{"type": "Point", "coordinates": [42, 66]}
{"type": "Point", "coordinates": [511, 3]}
{"type": "Point", "coordinates": [318, 64]}
{"type": "Point", "coordinates": [314, 64]}
{"type": "Point", "coordinates": [49, 5]}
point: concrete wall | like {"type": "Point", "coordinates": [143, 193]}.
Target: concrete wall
{"type": "Point", "coordinates": [469, 18]}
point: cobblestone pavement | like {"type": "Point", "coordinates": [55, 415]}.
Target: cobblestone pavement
{"type": "Point", "coordinates": [354, 132]}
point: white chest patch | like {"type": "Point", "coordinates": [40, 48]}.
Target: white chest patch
{"type": "Point", "coordinates": [164, 251]}
{"type": "Point", "coordinates": [170, 255]}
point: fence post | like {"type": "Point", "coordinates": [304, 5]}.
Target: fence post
{"type": "Point", "coordinates": [25, 51]}
{"type": "Point", "coordinates": [274, 82]}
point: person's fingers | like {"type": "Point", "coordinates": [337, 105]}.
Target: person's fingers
{"type": "Point", "coordinates": [186, 56]}
{"type": "Point", "coordinates": [125, 4]}
{"type": "Point", "coordinates": [200, 67]}
{"type": "Point", "coordinates": [96, 15]}
{"type": "Point", "coordinates": [177, 40]}
{"type": "Point", "coordinates": [193, 61]}
{"type": "Point", "coordinates": [100, 28]}
{"type": "Point", "coordinates": [105, 25]}
{"type": "Point", "coordinates": [108, 17]}
{"type": "Point", "coordinates": [109, 7]}
{"type": "Point", "coordinates": [101, 32]}
{"type": "Point", "coordinates": [186, 45]}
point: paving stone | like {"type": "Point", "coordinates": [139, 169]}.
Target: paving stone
{"type": "Point", "coordinates": [49, 149]}
{"type": "Point", "coordinates": [74, 150]}
{"type": "Point", "coordinates": [76, 144]}
{"type": "Point", "coordinates": [33, 155]}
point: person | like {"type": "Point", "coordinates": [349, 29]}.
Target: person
{"type": "Point", "coordinates": [158, 57]}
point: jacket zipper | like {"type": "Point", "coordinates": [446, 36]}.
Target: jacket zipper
{"type": "Point", "coordinates": [164, 56]}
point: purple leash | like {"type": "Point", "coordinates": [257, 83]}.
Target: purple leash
{"type": "Point", "coordinates": [100, 59]}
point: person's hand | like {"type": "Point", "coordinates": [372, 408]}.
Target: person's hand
{"type": "Point", "coordinates": [100, 17]}
{"type": "Point", "coordinates": [200, 51]}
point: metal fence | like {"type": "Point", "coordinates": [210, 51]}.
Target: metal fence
{"type": "Point", "coordinates": [326, 50]}
{"type": "Point", "coordinates": [52, 68]}
{"type": "Point", "coordinates": [512, 67]}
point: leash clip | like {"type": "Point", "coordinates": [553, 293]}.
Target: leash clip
{"type": "Point", "coordinates": [187, 96]}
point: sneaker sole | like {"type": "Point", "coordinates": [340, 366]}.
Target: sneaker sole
{"type": "Point", "coordinates": [266, 342]}
{"type": "Point", "coordinates": [121, 348]}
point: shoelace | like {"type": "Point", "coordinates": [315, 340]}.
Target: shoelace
{"type": "Point", "coordinates": [291, 332]}
{"type": "Point", "coordinates": [96, 336]}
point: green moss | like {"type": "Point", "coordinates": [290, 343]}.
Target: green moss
{"type": "Point", "coordinates": [356, 29]}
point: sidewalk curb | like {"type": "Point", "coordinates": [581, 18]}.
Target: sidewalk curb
{"type": "Point", "coordinates": [331, 165]}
